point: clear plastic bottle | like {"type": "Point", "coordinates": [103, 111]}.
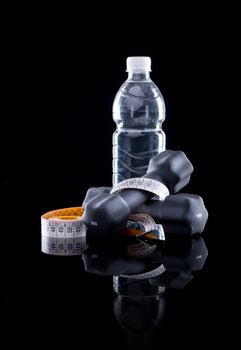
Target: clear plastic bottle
{"type": "Point", "coordinates": [138, 111]}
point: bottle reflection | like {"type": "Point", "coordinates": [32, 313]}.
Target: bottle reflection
{"type": "Point", "coordinates": [139, 308]}
{"type": "Point", "coordinates": [142, 270]}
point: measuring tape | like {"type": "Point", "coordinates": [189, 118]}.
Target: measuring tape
{"type": "Point", "coordinates": [63, 246]}
{"type": "Point", "coordinates": [143, 224]}
{"type": "Point", "coordinates": [63, 232]}
{"type": "Point", "coordinates": [145, 184]}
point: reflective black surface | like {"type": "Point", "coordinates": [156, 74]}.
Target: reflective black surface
{"type": "Point", "coordinates": [132, 288]}
{"type": "Point", "coordinates": [143, 270]}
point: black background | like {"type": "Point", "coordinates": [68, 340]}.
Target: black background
{"type": "Point", "coordinates": [59, 143]}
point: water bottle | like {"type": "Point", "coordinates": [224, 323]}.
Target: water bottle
{"type": "Point", "coordinates": [138, 111]}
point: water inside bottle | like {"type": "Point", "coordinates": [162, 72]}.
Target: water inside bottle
{"type": "Point", "coordinates": [132, 151]}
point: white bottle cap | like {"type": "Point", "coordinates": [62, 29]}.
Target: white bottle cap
{"type": "Point", "coordinates": [140, 63]}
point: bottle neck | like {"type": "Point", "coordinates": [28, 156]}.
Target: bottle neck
{"type": "Point", "coordinates": [138, 75]}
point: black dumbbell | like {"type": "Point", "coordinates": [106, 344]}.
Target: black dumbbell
{"type": "Point", "coordinates": [107, 212]}
{"type": "Point", "coordinates": [182, 213]}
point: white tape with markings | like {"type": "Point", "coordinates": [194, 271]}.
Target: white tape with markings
{"type": "Point", "coordinates": [145, 184]}
{"type": "Point", "coordinates": [63, 232]}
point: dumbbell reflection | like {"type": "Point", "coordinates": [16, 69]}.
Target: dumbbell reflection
{"type": "Point", "coordinates": [142, 270]}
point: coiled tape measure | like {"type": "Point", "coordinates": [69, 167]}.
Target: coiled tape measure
{"type": "Point", "coordinates": [64, 233]}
